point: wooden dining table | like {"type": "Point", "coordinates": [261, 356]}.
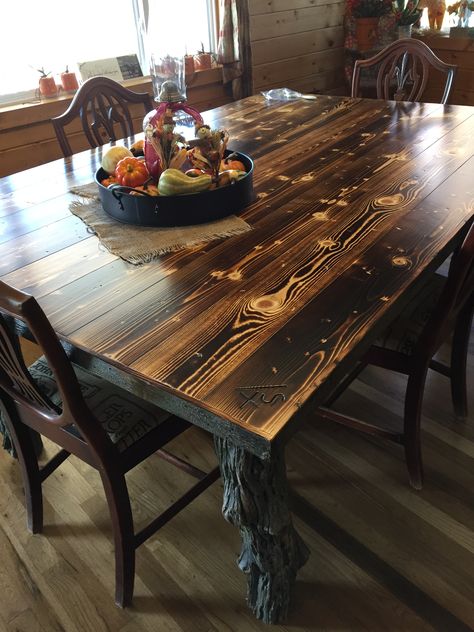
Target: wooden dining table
{"type": "Point", "coordinates": [357, 203]}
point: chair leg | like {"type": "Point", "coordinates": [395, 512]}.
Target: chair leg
{"type": "Point", "coordinates": [120, 510]}
{"type": "Point", "coordinates": [26, 449]}
{"type": "Point", "coordinates": [412, 436]}
{"type": "Point", "coordinates": [459, 349]}
{"type": "Point", "coordinates": [32, 482]}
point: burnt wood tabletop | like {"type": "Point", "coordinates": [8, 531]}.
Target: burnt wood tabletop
{"type": "Point", "coordinates": [358, 201]}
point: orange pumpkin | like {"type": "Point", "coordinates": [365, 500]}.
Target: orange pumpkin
{"type": "Point", "coordinates": [231, 164]}
{"type": "Point", "coordinates": [108, 181]}
{"type": "Point", "coordinates": [131, 172]}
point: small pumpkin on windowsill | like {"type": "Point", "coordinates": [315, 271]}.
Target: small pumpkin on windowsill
{"type": "Point", "coordinates": [69, 81]}
{"type": "Point", "coordinates": [47, 85]}
{"type": "Point", "coordinates": [202, 60]}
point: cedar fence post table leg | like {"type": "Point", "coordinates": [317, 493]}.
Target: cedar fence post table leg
{"type": "Point", "coordinates": [256, 501]}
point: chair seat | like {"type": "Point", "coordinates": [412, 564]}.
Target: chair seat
{"type": "Point", "coordinates": [403, 334]}
{"type": "Point", "coordinates": [124, 417]}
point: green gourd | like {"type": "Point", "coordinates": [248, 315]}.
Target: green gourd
{"type": "Point", "coordinates": [175, 182]}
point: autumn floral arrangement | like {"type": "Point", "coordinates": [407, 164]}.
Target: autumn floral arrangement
{"type": "Point", "coordinates": [460, 8]}
{"type": "Point", "coordinates": [368, 8]}
{"type": "Point", "coordinates": [165, 163]}
{"type": "Point", "coordinates": [406, 12]}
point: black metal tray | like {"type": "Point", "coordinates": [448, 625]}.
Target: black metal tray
{"type": "Point", "coordinates": [178, 210]}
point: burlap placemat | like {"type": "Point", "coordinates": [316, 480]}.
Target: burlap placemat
{"type": "Point", "coordinates": [138, 244]}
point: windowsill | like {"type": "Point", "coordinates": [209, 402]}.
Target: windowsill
{"type": "Point", "coordinates": [442, 40]}
{"type": "Point", "coordinates": [427, 32]}
{"type": "Point", "coordinates": [43, 103]}
{"type": "Point", "coordinates": [13, 115]}
{"type": "Point", "coordinates": [27, 137]}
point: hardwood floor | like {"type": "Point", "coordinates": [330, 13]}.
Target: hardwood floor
{"type": "Point", "coordinates": [384, 557]}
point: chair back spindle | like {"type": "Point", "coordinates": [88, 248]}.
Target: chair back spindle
{"type": "Point", "coordinates": [33, 406]}
{"type": "Point", "coordinates": [103, 107]}
{"type": "Point", "coordinates": [14, 376]}
{"type": "Point", "coordinates": [402, 71]}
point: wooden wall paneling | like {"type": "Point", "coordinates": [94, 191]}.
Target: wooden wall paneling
{"type": "Point", "coordinates": [463, 87]}
{"type": "Point", "coordinates": [324, 83]}
{"type": "Point", "coordinates": [298, 44]}
{"type": "Point", "coordinates": [211, 95]}
{"type": "Point", "coordinates": [286, 46]}
{"type": "Point", "coordinates": [457, 45]}
{"type": "Point", "coordinates": [20, 158]}
{"type": "Point", "coordinates": [203, 78]}
{"type": "Point", "coordinates": [28, 113]}
{"type": "Point", "coordinates": [453, 50]}
{"type": "Point", "coordinates": [259, 7]}
{"type": "Point", "coordinates": [296, 21]}
{"type": "Point", "coordinates": [26, 134]}
{"type": "Point", "coordinates": [464, 59]}
{"type": "Point", "coordinates": [303, 66]}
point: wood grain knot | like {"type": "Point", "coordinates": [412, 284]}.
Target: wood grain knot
{"type": "Point", "coordinates": [321, 216]}
{"type": "Point", "coordinates": [307, 177]}
{"type": "Point", "coordinates": [401, 262]}
{"type": "Point", "coordinates": [389, 200]}
{"type": "Point", "coordinates": [266, 304]}
{"type": "Point", "coordinates": [328, 243]}
{"type": "Point", "coordinates": [235, 276]}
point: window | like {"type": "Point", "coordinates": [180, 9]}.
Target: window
{"type": "Point", "coordinates": [449, 19]}
{"type": "Point", "coordinates": [94, 29]}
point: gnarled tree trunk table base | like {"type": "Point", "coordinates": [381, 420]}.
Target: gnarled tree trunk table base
{"type": "Point", "coordinates": [256, 501]}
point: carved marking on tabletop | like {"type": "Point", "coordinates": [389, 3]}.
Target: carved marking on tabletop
{"type": "Point", "coordinates": [257, 395]}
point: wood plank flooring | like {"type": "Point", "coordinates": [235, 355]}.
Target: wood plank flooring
{"type": "Point", "coordinates": [384, 557]}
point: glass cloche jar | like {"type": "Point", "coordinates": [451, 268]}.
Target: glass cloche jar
{"type": "Point", "coordinates": [162, 142]}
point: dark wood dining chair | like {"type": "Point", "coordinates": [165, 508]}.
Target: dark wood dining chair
{"type": "Point", "coordinates": [84, 415]}
{"type": "Point", "coordinates": [444, 307]}
{"type": "Point", "coordinates": [402, 71]}
{"type": "Point", "coordinates": [103, 108]}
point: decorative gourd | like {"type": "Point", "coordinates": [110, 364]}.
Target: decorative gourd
{"type": "Point", "coordinates": [175, 182]}
{"type": "Point", "coordinates": [112, 157]}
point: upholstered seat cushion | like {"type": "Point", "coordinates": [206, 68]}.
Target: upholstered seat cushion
{"type": "Point", "coordinates": [123, 416]}
{"type": "Point", "coordinates": [403, 334]}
